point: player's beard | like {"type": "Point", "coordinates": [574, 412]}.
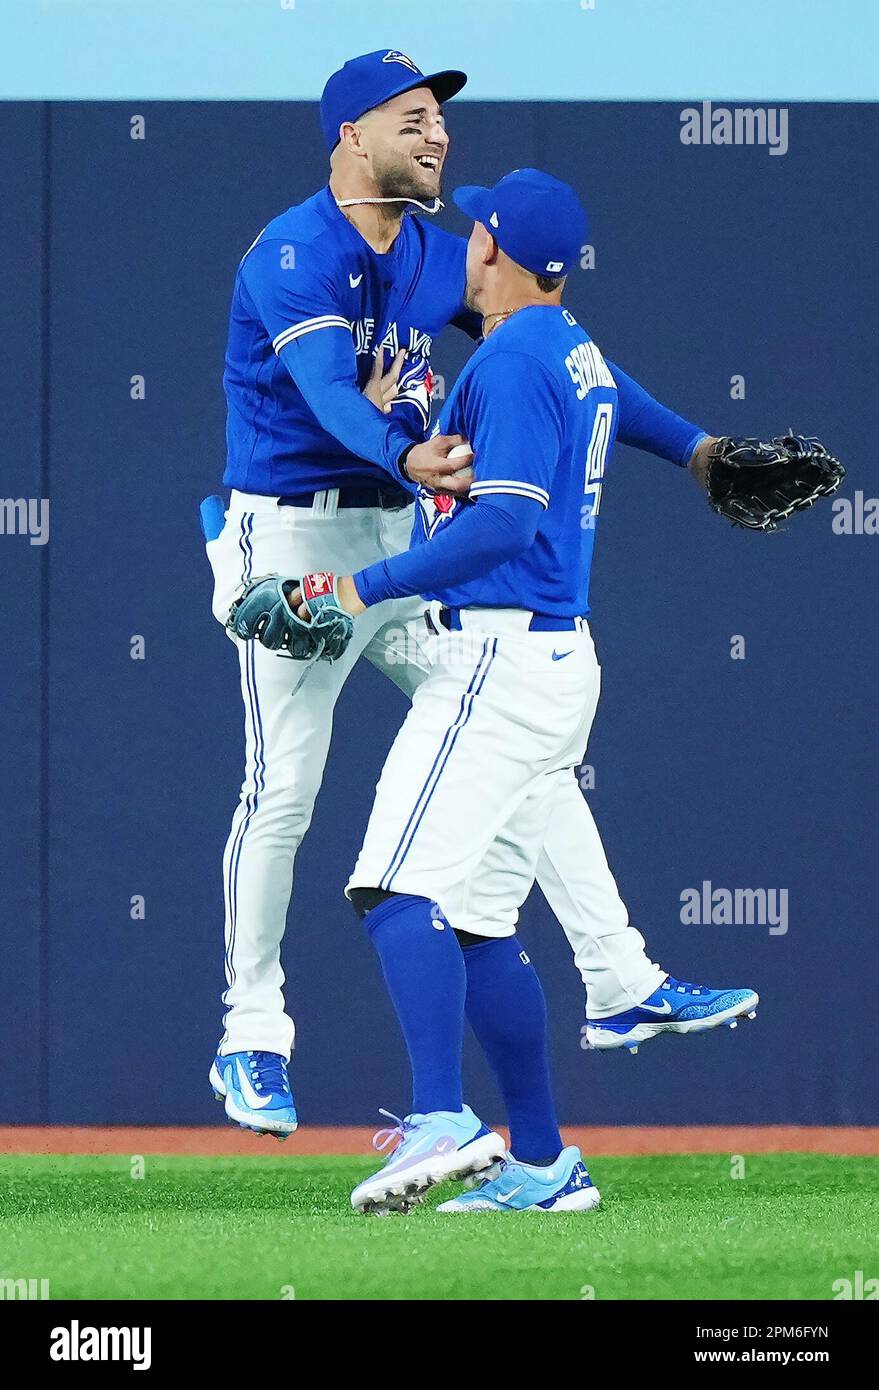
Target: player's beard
{"type": "Point", "coordinates": [396, 177]}
{"type": "Point", "coordinates": [472, 296]}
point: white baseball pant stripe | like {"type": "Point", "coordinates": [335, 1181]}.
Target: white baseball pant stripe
{"type": "Point", "coordinates": [447, 747]}
{"type": "Point", "coordinates": [255, 781]}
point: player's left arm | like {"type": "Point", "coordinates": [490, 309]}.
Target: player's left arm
{"type": "Point", "coordinates": [646, 424]}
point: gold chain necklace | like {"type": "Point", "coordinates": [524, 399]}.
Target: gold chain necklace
{"type": "Point", "coordinates": [500, 316]}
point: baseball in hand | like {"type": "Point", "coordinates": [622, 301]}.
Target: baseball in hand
{"type": "Point", "coordinates": [462, 451]}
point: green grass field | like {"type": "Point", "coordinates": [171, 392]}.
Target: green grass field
{"type": "Point", "coordinates": [262, 1227]}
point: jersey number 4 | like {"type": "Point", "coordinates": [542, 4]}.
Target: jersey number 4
{"type": "Point", "coordinates": [596, 458]}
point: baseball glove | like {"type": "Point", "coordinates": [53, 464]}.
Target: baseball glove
{"type": "Point", "coordinates": [262, 613]}
{"type": "Point", "coordinates": [756, 483]}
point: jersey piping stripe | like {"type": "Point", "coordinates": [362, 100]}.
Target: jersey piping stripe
{"type": "Point", "coordinates": [468, 699]}
{"type": "Point", "coordinates": [517, 489]}
{"type": "Point", "coordinates": [309, 326]}
{"type": "Point", "coordinates": [253, 717]}
{"type": "Point", "coordinates": [256, 240]}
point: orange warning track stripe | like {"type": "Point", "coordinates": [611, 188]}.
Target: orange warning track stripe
{"type": "Point", "coordinates": [220, 1141]}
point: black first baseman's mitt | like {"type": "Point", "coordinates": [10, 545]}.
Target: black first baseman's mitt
{"type": "Point", "coordinates": [756, 483]}
{"type": "Point", "coordinates": [262, 613]}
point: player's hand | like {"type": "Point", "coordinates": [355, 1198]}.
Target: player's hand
{"type": "Point", "coordinates": [382, 386]}
{"type": "Point", "coordinates": [430, 465]}
{"type": "Point", "coordinates": [347, 598]}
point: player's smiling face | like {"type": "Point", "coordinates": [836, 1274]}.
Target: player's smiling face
{"type": "Point", "coordinates": [407, 143]}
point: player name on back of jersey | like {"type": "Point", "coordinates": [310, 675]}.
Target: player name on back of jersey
{"type": "Point", "coordinates": [587, 369]}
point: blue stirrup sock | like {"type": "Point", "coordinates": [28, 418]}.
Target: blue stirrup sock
{"type": "Point", "coordinates": [507, 1012]}
{"type": "Point", "coordinates": [424, 970]}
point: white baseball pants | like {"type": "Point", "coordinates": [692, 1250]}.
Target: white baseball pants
{"type": "Point", "coordinates": [287, 738]}
{"type": "Point", "coordinates": [466, 794]}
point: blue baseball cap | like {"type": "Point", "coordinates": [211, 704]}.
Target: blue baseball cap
{"type": "Point", "coordinates": [537, 220]}
{"type": "Point", "coordinates": [372, 79]}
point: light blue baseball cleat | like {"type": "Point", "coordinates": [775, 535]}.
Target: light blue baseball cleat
{"type": "Point", "coordinates": [565, 1186]}
{"type": "Point", "coordinates": [676, 1007]}
{"type": "Point", "coordinates": [256, 1091]}
{"type": "Point", "coordinates": [432, 1148]}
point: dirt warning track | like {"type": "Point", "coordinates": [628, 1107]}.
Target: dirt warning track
{"type": "Point", "coordinates": [221, 1141]}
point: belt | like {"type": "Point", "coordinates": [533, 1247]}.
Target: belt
{"type": "Point", "coordinates": [388, 499]}
{"type": "Point", "coordinates": [540, 622]}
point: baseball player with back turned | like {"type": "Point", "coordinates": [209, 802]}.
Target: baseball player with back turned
{"type": "Point", "coordinates": [320, 476]}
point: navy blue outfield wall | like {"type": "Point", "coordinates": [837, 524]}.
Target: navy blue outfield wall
{"type": "Point", "coordinates": [735, 745]}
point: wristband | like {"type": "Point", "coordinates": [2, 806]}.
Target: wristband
{"type": "Point", "coordinates": [401, 461]}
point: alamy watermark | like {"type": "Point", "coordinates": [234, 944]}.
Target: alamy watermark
{"type": "Point", "coordinates": [738, 125]}
{"type": "Point", "coordinates": [739, 907]}
{"type": "Point", "coordinates": [857, 515]}
{"type": "Point", "coordinates": [23, 1289]}
{"type": "Point", "coordinates": [25, 516]}
{"type": "Point", "coordinates": [78, 1343]}
{"type": "Point", "coordinates": [858, 1288]}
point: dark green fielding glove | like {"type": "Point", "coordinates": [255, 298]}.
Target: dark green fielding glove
{"type": "Point", "coordinates": [262, 613]}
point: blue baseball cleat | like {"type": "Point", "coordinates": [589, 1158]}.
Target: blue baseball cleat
{"type": "Point", "coordinates": [566, 1186]}
{"type": "Point", "coordinates": [429, 1149]}
{"type": "Point", "coordinates": [676, 1007]}
{"type": "Point", "coordinates": [256, 1090]}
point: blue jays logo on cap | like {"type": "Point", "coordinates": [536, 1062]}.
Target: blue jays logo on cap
{"type": "Point", "coordinates": [396, 57]}
{"type": "Point", "coordinates": [371, 80]}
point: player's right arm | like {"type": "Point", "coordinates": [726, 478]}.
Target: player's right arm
{"type": "Point", "coordinates": [515, 422]}
{"type": "Point", "coordinates": [291, 291]}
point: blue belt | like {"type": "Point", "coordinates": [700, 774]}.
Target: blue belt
{"type": "Point", "coordinates": [388, 499]}
{"type": "Point", "coordinates": [540, 622]}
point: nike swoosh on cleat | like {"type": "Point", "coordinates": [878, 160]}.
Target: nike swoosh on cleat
{"type": "Point", "coordinates": [251, 1099]}
{"type": "Point", "coordinates": [508, 1196]}
{"type": "Point", "coordinates": [655, 1008]}
{"type": "Point", "coordinates": [427, 1147]}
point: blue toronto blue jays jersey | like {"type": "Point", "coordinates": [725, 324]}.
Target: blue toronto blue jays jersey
{"type": "Point", "coordinates": [310, 273]}
{"type": "Point", "coordinates": [538, 404]}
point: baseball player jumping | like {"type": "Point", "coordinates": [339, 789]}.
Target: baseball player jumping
{"type": "Point", "coordinates": [320, 476]}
